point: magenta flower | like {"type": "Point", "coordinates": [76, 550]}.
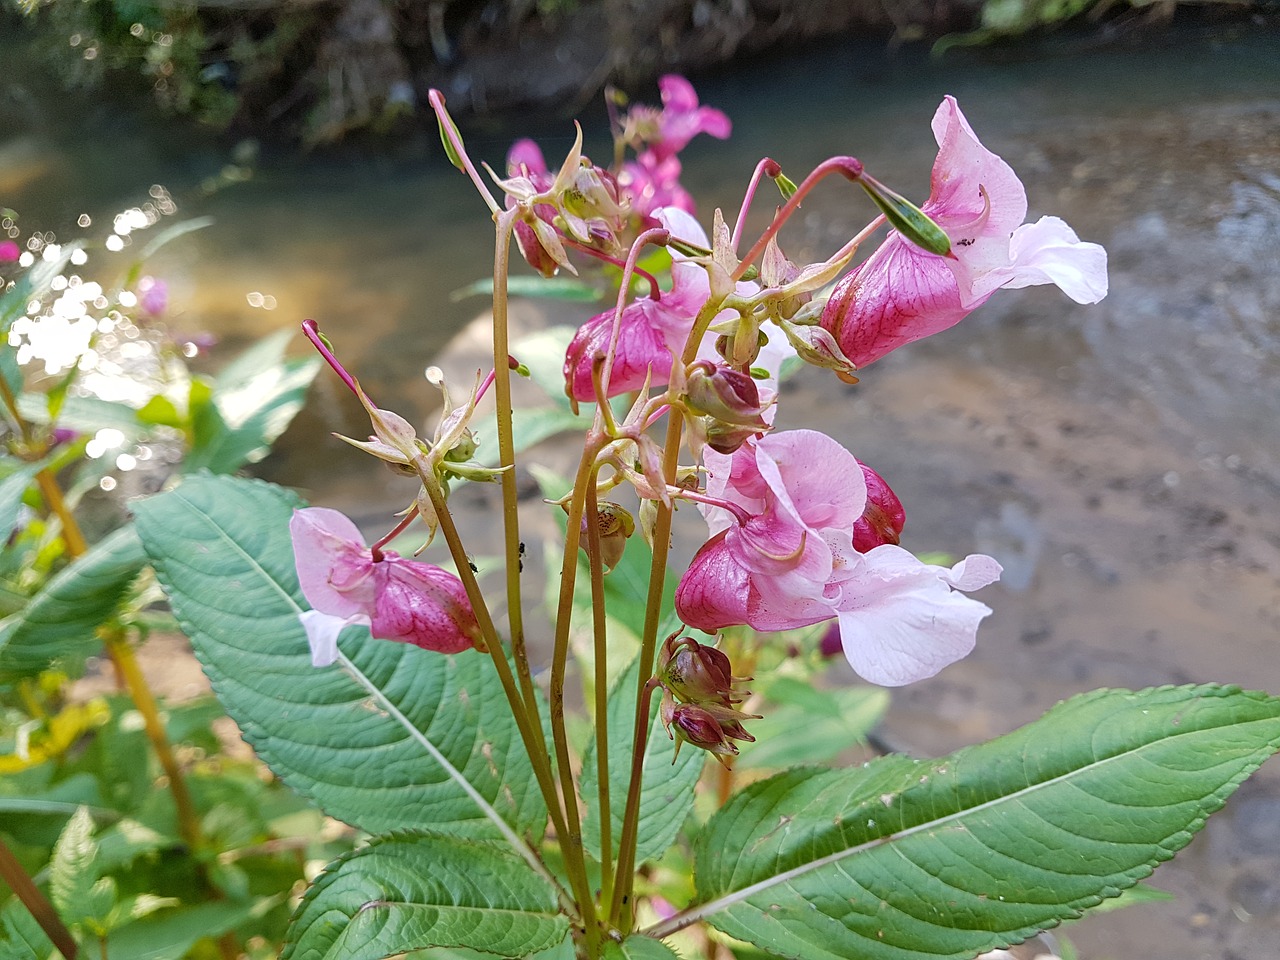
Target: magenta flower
{"type": "Point", "coordinates": [651, 333]}
{"type": "Point", "coordinates": [792, 563]}
{"type": "Point", "coordinates": [682, 118]}
{"type": "Point", "coordinates": [902, 293]}
{"type": "Point", "coordinates": [398, 599]}
{"type": "Point", "coordinates": [9, 251]}
{"type": "Point", "coordinates": [154, 296]}
{"type": "Point", "coordinates": [652, 183]}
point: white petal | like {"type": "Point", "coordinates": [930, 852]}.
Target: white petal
{"type": "Point", "coordinates": [1048, 251]}
{"type": "Point", "coordinates": [322, 633]}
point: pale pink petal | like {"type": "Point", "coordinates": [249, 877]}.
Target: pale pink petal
{"type": "Point", "coordinates": [322, 634]}
{"type": "Point", "coordinates": [332, 561]}
{"type": "Point", "coordinates": [970, 183]}
{"type": "Point", "coordinates": [1048, 251]}
{"type": "Point", "coordinates": [526, 153]}
{"type": "Point", "coordinates": [682, 225]}
{"type": "Point", "coordinates": [816, 479]}
{"type": "Point", "coordinates": [900, 620]}
{"type": "Point", "coordinates": [972, 573]}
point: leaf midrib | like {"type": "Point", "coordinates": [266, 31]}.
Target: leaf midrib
{"type": "Point", "coordinates": [745, 893]}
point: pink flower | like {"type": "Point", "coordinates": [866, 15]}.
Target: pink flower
{"type": "Point", "coordinates": [397, 599]}
{"type": "Point", "coordinates": [682, 118]}
{"type": "Point", "coordinates": [653, 183]}
{"type": "Point", "coordinates": [9, 251]}
{"type": "Point", "coordinates": [154, 297]}
{"type": "Point", "coordinates": [902, 293]}
{"type": "Point", "coordinates": [792, 563]}
{"type": "Point", "coordinates": [651, 333]}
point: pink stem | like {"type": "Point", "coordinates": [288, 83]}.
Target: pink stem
{"type": "Point", "coordinates": [655, 292]}
{"type": "Point", "coordinates": [376, 549]}
{"type": "Point", "coordinates": [311, 330]}
{"type": "Point", "coordinates": [766, 167]}
{"type": "Point", "coordinates": [657, 235]}
{"type": "Point", "coordinates": [487, 382]}
{"type": "Point", "coordinates": [848, 167]}
{"type": "Point", "coordinates": [739, 512]}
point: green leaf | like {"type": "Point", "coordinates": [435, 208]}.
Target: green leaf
{"type": "Point", "coordinates": [639, 947]}
{"type": "Point", "coordinates": [254, 400]}
{"type": "Point", "coordinates": [551, 288]}
{"type": "Point", "coordinates": [23, 938]}
{"type": "Point", "coordinates": [73, 871]}
{"type": "Point", "coordinates": [12, 489]}
{"type": "Point", "coordinates": [170, 934]}
{"type": "Point", "coordinates": [906, 860]}
{"type": "Point", "coordinates": [666, 795]}
{"type": "Point", "coordinates": [829, 720]}
{"type": "Point", "coordinates": [406, 892]}
{"type": "Point", "coordinates": [356, 738]}
{"type": "Point", "coordinates": [529, 428]}
{"type": "Point", "coordinates": [171, 233]}
{"type": "Point", "coordinates": [61, 619]}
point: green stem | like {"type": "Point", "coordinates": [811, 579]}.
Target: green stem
{"type": "Point", "coordinates": [507, 459]}
{"type": "Point", "coordinates": [620, 912]}
{"type": "Point", "coordinates": [39, 906]}
{"type": "Point", "coordinates": [530, 734]}
{"type": "Point", "coordinates": [126, 664]}
{"type": "Point", "coordinates": [572, 841]}
{"type": "Point", "coordinates": [596, 565]}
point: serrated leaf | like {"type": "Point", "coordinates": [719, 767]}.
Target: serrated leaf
{"type": "Point", "coordinates": [407, 892]}
{"type": "Point", "coordinates": [356, 739]}
{"type": "Point", "coordinates": [906, 860]}
{"type": "Point", "coordinates": [666, 789]}
{"type": "Point", "coordinates": [638, 947]}
{"type": "Point", "coordinates": [72, 871]}
{"type": "Point", "coordinates": [61, 619]}
{"type": "Point", "coordinates": [254, 400]}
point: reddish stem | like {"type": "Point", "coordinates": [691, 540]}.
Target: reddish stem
{"type": "Point", "coordinates": [848, 167]}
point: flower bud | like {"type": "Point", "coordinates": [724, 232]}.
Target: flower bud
{"type": "Point", "coordinates": [709, 728]}
{"type": "Point", "coordinates": [696, 673]}
{"type": "Point", "coordinates": [882, 519]}
{"type": "Point", "coordinates": [726, 437]}
{"type": "Point", "coordinates": [724, 394]}
{"type": "Point", "coordinates": [905, 217]}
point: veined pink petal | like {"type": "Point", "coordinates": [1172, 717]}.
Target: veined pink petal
{"type": "Point", "coordinates": [421, 604]}
{"type": "Point", "coordinates": [813, 477]}
{"type": "Point", "coordinates": [334, 567]}
{"type": "Point", "coordinates": [713, 591]}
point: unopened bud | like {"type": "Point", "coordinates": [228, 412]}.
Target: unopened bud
{"type": "Point", "coordinates": [534, 253]}
{"type": "Point", "coordinates": [882, 519]}
{"type": "Point", "coordinates": [817, 346]}
{"type": "Point", "coordinates": [696, 673]}
{"type": "Point", "coordinates": [709, 728]}
{"type": "Point", "coordinates": [725, 394]}
{"type": "Point", "coordinates": [726, 437]}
